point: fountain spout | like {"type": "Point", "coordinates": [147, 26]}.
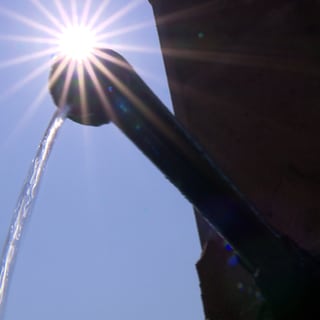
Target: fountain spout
{"type": "Point", "coordinates": [287, 276]}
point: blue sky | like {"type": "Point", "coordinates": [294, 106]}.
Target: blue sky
{"type": "Point", "coordinates": [109, 237]}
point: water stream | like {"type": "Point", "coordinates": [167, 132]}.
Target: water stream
{"type": "Point", "coordinates": [25, 203]}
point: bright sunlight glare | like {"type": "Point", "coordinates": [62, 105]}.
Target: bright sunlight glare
{"type": "Point", "coordinates": [77, 42]}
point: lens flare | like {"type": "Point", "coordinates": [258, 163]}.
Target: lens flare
{"type": "Point", "coordinates": [73, 33]}
{"type": "Point", "coordinates": [77, 42]}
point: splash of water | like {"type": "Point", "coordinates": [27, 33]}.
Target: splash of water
{"type": "Point", "coordinates": [25, 202]}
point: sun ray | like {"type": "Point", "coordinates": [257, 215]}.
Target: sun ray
{"type": "Point", "coordinates": [116, 16]}
{"type": "Point", "coordinates": [105, 56]}
{"type": "Point", "coordinates": [25, 118]}
{"type": "Point", "coordinates": [140, 104]}
{"type": "Point", "coordinates": [141, 71]}
{"type": "Point", "coordinates": [28, 22]}
{"type": "Point", "coordinates": [85, 12]}
{"type": "Point", "coordinates": [100, 91]}
{"type": "Point", "coordinates": [58, 71]}
{"type": "Point", "coordinates": [98, 13]}
{"type": "Point", "coordinates": [69, 18]}
{"type": "Point", "coordinates": [125, 30]}
{"type": "Point", "coordinates": [63, 14]}
{"type": "Point", "coordinates": [145, 50]}
{"type": "Point", "coordinates": [183, 14]}
{"type": "Point", "coordinates": [34, 74]}
{"type": "Point", "coordinates": [66, 85]}
{"type": "Point", "coordinates": [136, 101]}
{"type": "Point", "coordinates": [47, 13]}
{"type": "Point", "coordinates": [82, 89]}
{"type": "Point", "coordinates": [119, 84]}
{"type": "Point", "coordinates": [139, 48]}
{"type": "Point", "coordinates": [240, 59]}
{"type": "Point", "coordinates": [27, 58]}
{"type": "Point", "coordinates": [40, 97]}
{"type": "Point", "coordinates": [74, 13]}
{"type": "Point", "coordinates": [28, 39]}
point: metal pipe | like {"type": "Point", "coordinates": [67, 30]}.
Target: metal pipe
{"type": "Point", "coordinates": [116, 93]}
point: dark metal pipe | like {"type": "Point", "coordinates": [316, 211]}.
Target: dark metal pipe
{"type": "Point", "coordinates": [116, 93]}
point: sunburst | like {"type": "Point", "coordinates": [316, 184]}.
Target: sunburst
{"type": "Point", "coordinates": [72, 32]}
{"type": "Point", "coordinates": [73, 38]}
{"type": "Point", "coordinates": [77, 42]}
{"type": "Point", "coordinates": [75, 31]}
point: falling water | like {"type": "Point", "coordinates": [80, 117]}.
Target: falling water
{"type": "Point", "coordinates": [26, 201]}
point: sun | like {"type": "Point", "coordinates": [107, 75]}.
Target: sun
{"type": "Point", "coordinates": [72, 32]}
{"type": "Point", "coordinates": [77, 42]}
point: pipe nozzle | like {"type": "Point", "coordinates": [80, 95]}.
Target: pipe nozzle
{"type": "Point", "coordinates": [86, 87]}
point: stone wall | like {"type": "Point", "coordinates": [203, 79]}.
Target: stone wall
{"type": "Point", "coordinates": [245, 79]}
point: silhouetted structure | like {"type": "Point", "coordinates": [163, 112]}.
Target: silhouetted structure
{"type": "Point", "coordinates": [245, 79]}
{"type": "Point", "coordinates": [236, 71]}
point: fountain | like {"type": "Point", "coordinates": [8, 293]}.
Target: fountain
{"type": "Point", "coordinates": [107, 89]}
{"type": "Point", "coordinates": [26, 201]}
{"type": "Point", "coordinates": [286, 275]}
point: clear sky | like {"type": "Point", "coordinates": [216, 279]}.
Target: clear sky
{"type": "Point", "coordinates": [109, 237]}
